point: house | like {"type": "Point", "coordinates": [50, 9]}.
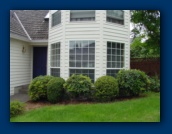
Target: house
{"type": "Point", "coordinates": [66, 42]}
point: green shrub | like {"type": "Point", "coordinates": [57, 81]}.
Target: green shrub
{"type": "Point", "coordinates": [154, 84]}
{"type": "Point", "coordinates": [16, 108]}
{"type": "Point", "coordinates": [132, 82]}
{"type": "Point", "coordinates": [78, 86]}
{"type": "Point", "coordinates": [55, 89]}
{"type": "Point", "coordinates": [106, 88]}
{"type": "Point", "coordinates": [38, 88]}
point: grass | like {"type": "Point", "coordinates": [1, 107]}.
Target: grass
{"type": "Point", "coordinates": [145, 109]}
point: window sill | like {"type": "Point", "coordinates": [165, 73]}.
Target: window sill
{"type": "Point", "coordinates": [75, 22]}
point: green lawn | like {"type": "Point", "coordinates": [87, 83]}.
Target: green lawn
{"type": "Point", "coordinates": [145, 109]}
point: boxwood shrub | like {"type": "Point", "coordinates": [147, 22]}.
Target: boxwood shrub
{"type": "Point", "coordinates": [106, 88]}
{"type": "Point", "coordinates": [16, 108]}
{"type": "Point", "coordinates": [154, 84]}
{"type": "Point", "coordinates": [78, 86]}
{"type": "Point", "coordinates": [132, 82]}
{"type": "Point", "coordinates": [55, 89]}
{"type": "Point", "coordinates": [38, 88]}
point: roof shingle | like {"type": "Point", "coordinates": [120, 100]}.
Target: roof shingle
{"type": "Point", "coordinates": [34, 23]}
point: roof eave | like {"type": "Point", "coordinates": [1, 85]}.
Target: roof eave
{"type": "Point", "coordinates": [15, 36]}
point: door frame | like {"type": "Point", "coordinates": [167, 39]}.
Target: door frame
{"type": "Point", "coordinates": [32, 59]}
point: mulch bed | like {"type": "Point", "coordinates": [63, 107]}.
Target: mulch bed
{"type": "Point", "coordinates": [34, 105]}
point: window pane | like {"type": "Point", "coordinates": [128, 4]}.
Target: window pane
{"type": "Point", "coordinates": [118, 65]}
{"type": "Point", "coordinates": [122, 52]}
{"type": "Point", "coordinates": [72, 64]}
{"type": "Point", "coordinates": [109, 64]}
{"type": "Point", "coordinates": [78, 57]}
{"type": "Point", "coordinates": [113, 45]}
{"type": "Point", "coordinates": [85, 57]}
{"type": "Point", "coordinates": [85, 44]}
{"type": "Point", "coordinates": [72, 44]}
{"type": "Point", "coordinates": [72, 71]}
{"type": "Point", "coordinates": [109, 58]}
{"type": "Point", "coordinates": [78, 64]}
{"type": "Point", "coordinates": [114, 58]}
{"type": "Point", "coordinates": [122, 64]}
{"type": "Point", "coordinates": [109, 45]}
{"type": "Point", "coordinates": [122, 58]}
{"type": "Point", "coordinates": [85, 71]}
{"type": "Point", "coordinates": [55, 72]}
{"type": "Point", "coordinates": [72, 57]}
{"type": "Point", "coordinates": [113, 51]}
{"type": "Point", "coordinates": [78, 71]}
{"type": "Point", "coordinates": [72, 51]}
{"type": "Point", "coordinates": [78, 44]}
{"type": "Point", "coordinates": [113, 64]}
{"type": "Point", "coordinates": [118, 52]}
{"type": "Point", "coordinates": [118, 58]}
{"type": "Point", "coordinates": [118, 45]}
{"type": "Point", "coordinates": [78, 50]}
{"type": "Point", "coordinates": [109, 51]}
{"type": "Point", "coordinates": [91, 64]}
{"type": "Point", "coordinates": [85, 50]}
{"type": "Point", "coordinates": [112, 72]}
{"type": "Point", "coordinates": [84, 64]}
{"type": "Point", "coordinates": [92, 44]}
{"type": "Point", "coordinates": [122, 46]}
{"type": "Point", "coordinates": [91, 57]}
{"type": "Point", "coordinates": [91, 50]}
{"type": "Point", "coordinates": [91, 71]}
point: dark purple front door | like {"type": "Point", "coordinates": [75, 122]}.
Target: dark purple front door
{"type": "Point", "coordinates": [39, 61]}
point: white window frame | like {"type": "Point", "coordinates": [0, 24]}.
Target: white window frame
{"type": "Point", "coordinates": [116, 68]}
{"type": "Point", "coordinates": [82, 20]}
{"type": "Point", "coordinates": [116, 18]}
{"type": "Point", "coordinates": [87, 68]}
{"type": "Point", "coordinates": [55, 67]}
{"type": "Point", "coordinates": [52, 18]}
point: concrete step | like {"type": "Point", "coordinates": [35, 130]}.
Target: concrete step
{"type": "Point", "coordinates": [24, 89]}
{"type": "Point", "coordinates": [20, 97]}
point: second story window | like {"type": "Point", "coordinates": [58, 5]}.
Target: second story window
{"type": "Point", "coordinates": [56, 18]}
{"type": "Point", "coordinates": [82, 15]}
{"type": "Point", "coordinates": [115, 16]}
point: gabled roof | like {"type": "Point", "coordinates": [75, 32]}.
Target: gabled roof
{"type": "Point", "coordinates": [33, 23]}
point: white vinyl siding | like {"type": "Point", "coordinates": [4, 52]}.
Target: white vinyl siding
{"type": "Point", "coordinates": [20, 64]}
